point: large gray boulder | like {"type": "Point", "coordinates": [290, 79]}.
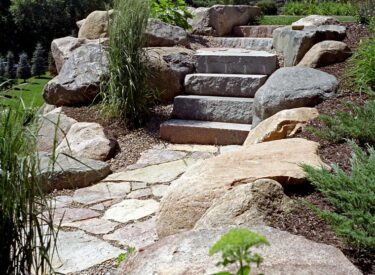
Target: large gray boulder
{"type": "Point", "coordinates": [219, 20]}
{"type": "Point", "coordinates": [169, 66]}
{"type": "Point", "coordinates": [160, 34]}
{"type": "Point", "coordinates": [65, 172]}
{"type": "Point", "coordinates": [290, 88]}
{"type": "Point", "coordinates": [294, 44]}
{"type": "Point", "coordinates": [78, 82]}
{"type": "Point", "coordinates": [315, 20]}
{"type": "Point", "coordinates": [187, 253]}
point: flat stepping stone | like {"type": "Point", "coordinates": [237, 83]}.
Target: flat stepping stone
{"type": "Point", "coordinates": [236, 85]}
{"type": "Point", "coordinates": [131, 210]}
{"type": "Point", "coordinates": [77, 251]}
{"type": "Point", "coordinates": [159, 190]}
{"type": "Point", "coordinates": [94, 226]}
{"type": "Point", "coordinates": [213, 108]}
{"type": "Point", "coordinates": [204, 132]}
{"type": "Point", "coordinates": [264, 31]}
{"type": "Point", "coordinates": [193, 148]}
{"type": "Point", "coordinates": [68, 215]}
{"type": "Point", "coordinates": [235, 61]}
{"type": "Point", "coordinates": [140, 193]}
{"type": "Point", "coordinates": [153, 156]}
{"type": "Point", "coordinates": [251, 43]}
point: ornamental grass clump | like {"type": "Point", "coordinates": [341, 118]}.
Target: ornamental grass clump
{"type": "Point", "coordinates": [127, 93]}
{"type": "Point", "coordinates": [27, 235]}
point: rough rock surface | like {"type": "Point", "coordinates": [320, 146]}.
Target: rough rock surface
{"type": "Point", "coordinates": [246, 204]}
{"type": "Point", "coordinates": [187, 253]}
{"type": "Point", "coordinates": [325, 53]}
{"type": "Point", "coordinates": [96, 25]}
{"type": "Point", "coordinates": [67, 173]}
{"type": "Point", "coordinates": [281, 125]}
{"type": "Point", "coordinates": [160, 34]}
{"type": "Point", "coordinates": [294, 44]}
{"type": "Point", "coordinates": [290, 88]}
{"type": "Point", "coordinates": [79, 79]}
{"type": "Point", "coordinates": [194, 192]}
{"type": "Point", "coordinates": [87, 140]}
{"type": "Point", "coordinates": [169, 66]}
{"type": "Point", "coordinates": [219, 20]}
{"type": "Point", "coordinates": [53, 127]}
{"type": "Point", "coordinates": [315, 20]}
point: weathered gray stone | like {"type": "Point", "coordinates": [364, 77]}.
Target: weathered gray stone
{"type": "Point", "coordinates": [87, 140]}
{"type": "Point", "coordinates": [220, 19]}
{"type": "Point", "coordinates": [240, 85]}
{"type": "Point", "coordinates": [193, 148]}
{"type": "Point", "coordinates": [204, 132]}
{"type": "Point", "coordinates": [169, 66]}
{"type": "Point", "coordinates": [131, 210]}
{"type": "Point", "coordinates": [53, 127]}
{"type": "Point", "coordinates": [96, 25]}
{"type": "Point", "coordinates": [94, 226]}
{"type": "Point", "coordinates": [68, 215]}
{"type": "Point", "coordinates": [138, 234]}
{"type": "Point", "coordinates": [79, 23]}
{"type": "Point", "coordinates": [246, 204]}
{"type": "Point", "coordinates": [67, 173]}
{"type": "Point", "coordinates": [77, 251]}
{"type": "Point", "coordinates": [213, 108]}
{"type": "Point", "coordinates": [255, 31]}
{"type": "Point", "coordinates": [235, 61]}
{"type": "Point", "coordinates": [294, 44]}
{"type": "Point", "coordinates": [201, 155]}
{"type": "Point", "coordinates": [160, 34]}
{"type": "Point", "coordinates": [187, 253]}
{"type": "Point", "coordinates": [290, 88]}
{"type": "Point", "coordinates": [159, 190]}
{"type": "Point", "coordinates": [61, 201]}
{"type": "Point", "coordinates": [138, 185]}
{"type": "Point", "coordinates": [155, 156]}
{"type": "Point", "coordinates": [256, 44]}
{"type": "Point", "coordinates": [325, 53]}
{"type": "Point", "coordinates": [79, 79]}
{"type": "Point", "coordinates": [230, 149]}
{"type": "Point", "coordinates": [315, 20]}
{"type": "Point", "coordinates": [140, 193]}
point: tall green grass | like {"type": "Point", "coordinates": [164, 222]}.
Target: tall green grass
{"type": "Point", "coordinates": [127, 94]}
{"type": "Point", "coordinates": [26, 228]}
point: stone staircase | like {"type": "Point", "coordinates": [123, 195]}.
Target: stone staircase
{"type": "Point", "coordinates": [217, 107]}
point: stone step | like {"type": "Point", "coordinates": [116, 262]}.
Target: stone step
{"type": "Point", "coordinates": [235, 61]}
{"type": "Point", "coordinates": [264, 31]}
{"type": "Point", "coordinates": [213, 108]}
{"type": "Point", "coordinates": [235, 85]}
{"type": "Point", "coordinates": [204, 132]}
{"type": "Point", "coordinates": [257, 44]}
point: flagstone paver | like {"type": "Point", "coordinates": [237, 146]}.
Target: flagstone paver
{"type": "Point", "coordinates": [95, 226]}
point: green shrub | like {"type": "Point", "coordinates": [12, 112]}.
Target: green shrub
{"type": "Point", "coordinates": [318, 7]}
{"type": "Point", "coordinates": [27, 236]}
{"type": "Point", "coordinates": [268, 7]}
{"type": "Point", "coordinates": [357, 123]}
{"type": "Point", "coordinates": [365, 10]}
{"type": "Point", "coordinates": [235, 247]}
{"type": "Point", "coordinates": [23, 68]}
{"type": "Point", "coordinates": [38, 61]}
{"type": "Point", "coordinates": [171, 12]}
{"type": "Point", "coordinates": [127, 94]}
{"type": "Point", "coordinates": [351, 196]}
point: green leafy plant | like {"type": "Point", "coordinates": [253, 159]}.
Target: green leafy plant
{"type": "Point", "coordinates": [171, 12]}
{"type": "Point", "coordinates": [351, 196]}
{"type": "Point", "coordinates": [235, 247]}
{"type": "Point", "coordinates": [123, 256]}
{"type": "Point", "coordinates": [126, 94]}
{"type": "Point", "coordinates": [308, 7]}
{"type": "Point", "coordinates": [268, 7]}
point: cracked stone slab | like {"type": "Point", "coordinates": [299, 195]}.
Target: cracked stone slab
{"type": "Point", "coordinates": [159, 190]}
{"type": "Point", "coordinates": [95, 226]}
{"type": "Point", "coordinates": [161, 173]}
{"type": "Point", "coordinates": [102, 191]}
{"type": "Point", "coordinates": [77, 251]}
{"type": "Point", "coordinates": [131, 210]}
{"type": "Point", "coordinates": [153, 157]}
{"type": "Point", "coordinates": [138, 235]}
{"type": "Point", "coordinates": [61, 201]}
{"type": "Point", "coordinates": [138, 185]}
{"type": "Point", "coordinates": [193, 148]}
{"type": "Point", "coordinates": [140, 193]}
{"type": "Point", "coordinates": [68, 215]}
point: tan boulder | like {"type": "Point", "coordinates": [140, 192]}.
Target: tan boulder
{"type": "Point", "coordinates": [194, 192]}
{"type": "Point", "coordinates": [96, 25]}
{"type": "Point", "coordinates": [325, 53]}
{"type": "Point", "coordinates": [314, 20]}
{"type": "Point", "coordinates": [283, 124]}
{"type": "Point", "coordinates": [87, 140]}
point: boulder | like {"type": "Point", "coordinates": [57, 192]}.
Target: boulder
{"type": "Point", "coordinates": [87, 140]}
{"type": "Point", "coordinates": [315, 20]}
{"type": "Point", "coordinates": [64, 172]}
{"type": "Point", "coordinates": [187, 253]}
{"type": "Point", "coordinates": [160, 34]}
{"type": "Point", "coordinates": [325, 53]}
{"type": "Point", "coordinates": [246, 204]}
{"type": "Point", "coordinates": [78, 82]}
{"type": "Point", "coordinates": [281, 125]}
{"type": "Point", "coordinates": [290, 88]}
{"type": "Point", "coordinates": [294, 44]}
{"type": "Point", "coordinates": [62, 48]}
{"type": "Point", "coordinates": [79, 23]}
{"type": "Point", "coordinates": [96, 25]}
{"type": "Point", "coordinates": [169, 66]}
{"type": "Point", "coordinates": [219, 20]}
{"type": "Point", "coordinates": [194, 192]}
{"type": "Point", "coordinates": [53, 127]}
